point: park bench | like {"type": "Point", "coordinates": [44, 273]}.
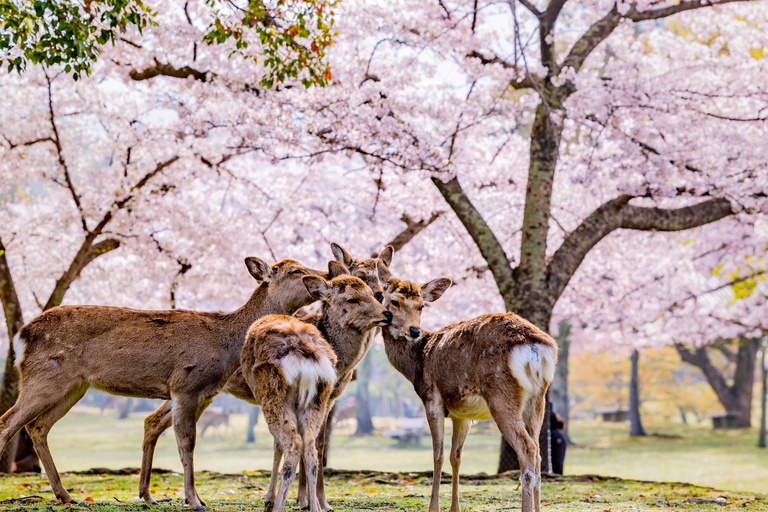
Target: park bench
{"type": "Point", "coordinates": [410, 431]}
{"type": "Point", "coordinates": [724, 420]}
{"type": "Point", "coordinates": [614, 415]}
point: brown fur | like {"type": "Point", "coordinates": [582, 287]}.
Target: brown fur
{"type": "Point", "coordinates": [349, 311]}
{"type": "Point", "coordinates": [462, 372]}
{"type": "Point", "coordinates": [181, 355]}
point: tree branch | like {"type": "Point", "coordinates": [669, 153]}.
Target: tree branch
{"type": "Point", "coordinates": [412, 229]}
{"type": "Point", "coordinates": [700, 359]}
{"type": "Point", "coordinates": [526, 83]}
{"type": "Point", "coordinates": [483, 236]}
{"type": "Point", "coordinates": [10, 301]}
{"type": "Point", "coordinates": [160, 69]}
{"type": "Point", "coordinates": [619, 214]}
{"type": "Point", "coordinates": [60, 154]}
{"type": "Point", "coordinates": [86, 254]}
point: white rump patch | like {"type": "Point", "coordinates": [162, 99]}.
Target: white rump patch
{"type": "Point", "coordinates": [535, 359]}
{"type": "Point", "coordinates": [305, 374]}
{"type": "Point", "coordinates": [19, 346]}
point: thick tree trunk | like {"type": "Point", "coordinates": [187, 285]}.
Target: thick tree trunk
{"type": "Point", "coordinates": [761, 442]}
{"type": "Point", "coordinates": [635, 421]}
{"type": "Point", "coordinates": [736, 398]}
{"type": "Point", "coordinates": [363, 398]}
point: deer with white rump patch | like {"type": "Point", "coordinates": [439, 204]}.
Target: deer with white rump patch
{"type": "Point", "coordinates": [68, 349]}
{"type": "Point", "coordinates": [496, 366]}
{"type": "Point", "coordinates": [296, 366]}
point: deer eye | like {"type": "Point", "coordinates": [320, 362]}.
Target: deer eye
{"type": "Point", "coordinates": [296, 272]}
{"type": "Point", "coordinates": [395, 303]}
{"type": "Point", "coordinates": [353, 301]}
{"type": "Point", "coordinates": [379, 296]}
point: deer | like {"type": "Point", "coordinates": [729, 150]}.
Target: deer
{"type": "Point", "coordinates": [297, 366]}
{"type": "Point", "coordinates": [160, 420]}
{"type": "Point", "coordinates": [211, 419]}
{"type": "Point", "coordinates": [495, 366]}
{"type": "Point", "coordinates": [184, 356]}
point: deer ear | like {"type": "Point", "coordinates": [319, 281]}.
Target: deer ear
{"type": "Point", "coordinates": [260, 269]}
{"type": "Point", "coordinates": [341, 255]}
{"type": "Point", "coordinates": [385, 276]}
{"type": "Point", "coordinates": [386, 255]}
{"type": "Point", "coordinates": [336, 269]}
{"type": "Point", "coordinates": [318, 288]}
{"type": "Point", "coordinates": [435, 289]}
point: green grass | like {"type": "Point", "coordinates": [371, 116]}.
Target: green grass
{"type": "Point", "coordinates": [723, 463]}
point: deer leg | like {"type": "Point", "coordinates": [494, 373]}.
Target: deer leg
{"type": "Point", "coordinates": [40, 427]}
{"type": "Point", "coordinates": [460, 431]}
{"type": "Point", "coordinates": [291, 444]}
{"type": "Point", "coordinates": [184, 413]}
{"type": "Point", "coordinates": [154, 425]}
{"type": "Point", "coordinates": [509, 419]}
{"type": "Point", "coordinates": [320, 476]}
{"type": "Point", "coordinates": [201, 407]}
{"type": "Point", "coordinates": [303, 503]}
{"type": "Point", "coordinates": [436, 420]}
{"type": "Point", "coordinates": [534, 420]}
{"type": "Point", "coordinates": [269, 499]}
{"type": "Point", "coordinates": [311, 421]}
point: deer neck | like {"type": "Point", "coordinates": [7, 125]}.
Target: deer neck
{"type": "Point", "coordinates": [349, 343]}
{"type": "Point", "coordinates": [261, 303]}
{"type": "Point", "coordinates": [406, 356]}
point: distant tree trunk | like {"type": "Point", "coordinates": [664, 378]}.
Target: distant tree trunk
{"type": "Point", "coordinates": [764, 393]}
{"type": "Point", "coordinates": [253, 419]}
{"type": "Point", "coordinates": [682, 415]}
{"type": "Point", "coordinates": [363, 398]}
{"type": "Point", "coordinates": [635, 422]}
{"type": "Point", "coordinates": [328, 432]}
{"type": "Point", "coordinates": [736, 398]}
{"type": "Point", "coordinates": [558, 391]}
{"type": "Point", "coordinates": [125, 410]}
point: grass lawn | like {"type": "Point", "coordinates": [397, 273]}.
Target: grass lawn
{"type": "Point", "coordinates": [725, 463]}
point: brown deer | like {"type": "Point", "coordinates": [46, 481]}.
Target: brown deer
{"type": "Point", "coordinates": [160, 420]}
{"type": "Point", "coordinates": [297, 367]}
{"type": "Point", "coordinates": [211, 419]}
{"type": "Point", "coordinates": [496, 366]}
{"type": "Point", "coordinates": [185, 356]}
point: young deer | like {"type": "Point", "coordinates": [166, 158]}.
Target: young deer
{"type": "Point", "coordinates": [495, 366]}
{"type": "Point", "coordinates": [351, 351]}
{"type": "Point", "coordinates": [297, 366]}
{"type": "Point", "coordinates": [180, 355]}
{"type": "Point", "coordinates": [160, 420]}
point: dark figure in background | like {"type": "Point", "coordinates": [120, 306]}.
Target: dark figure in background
{"type": "Point", "coordinates": [26, 460]}
{"type": "Point", "coordinates": [557, 434]}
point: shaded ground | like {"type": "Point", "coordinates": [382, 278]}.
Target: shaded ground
{"type": "Point", "coordinates": [350, 491]}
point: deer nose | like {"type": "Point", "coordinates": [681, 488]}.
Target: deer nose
{"type": "Point", "coordinates": [380, 297]}
{"type": "Point", "coordinates": [414, 332]}
{"type": "Point", "coordinates": [388, 316]}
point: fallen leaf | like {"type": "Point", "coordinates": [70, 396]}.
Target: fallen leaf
{"type": "Point", "coordinates": [88, 498]}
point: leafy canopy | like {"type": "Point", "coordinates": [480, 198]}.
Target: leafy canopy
{"type": "Point", "coordinates": [294, 34]}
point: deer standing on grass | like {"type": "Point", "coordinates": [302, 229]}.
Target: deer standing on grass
{"type": "Point", "coordinates": [496, 366]}
{"type": "Point", "coordinates": [160, 420]}
{"type": "Point", "coordinates": [184, 356]}
{"type": "Point", "coordinates": [297, 366]}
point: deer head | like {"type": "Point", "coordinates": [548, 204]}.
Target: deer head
{"type": "Point", "coordinates": [365, 269]}
{"type": "Point", "coordinates": [405, 300]}
{"type": "Point", "coordinates": [347, 300]}
{"type": "Point", "coordinates": [284, 281]}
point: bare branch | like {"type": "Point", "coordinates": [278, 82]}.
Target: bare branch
{"type": "Point", "coordinates": [483, 236]}
{"type": "Point", "coordinates": [618, 214]}
{"type": "Point", "coordinates": [412, 229]}
{"type": "Point", "coordinates": [160, 69]}
{"type": "Point", "coordinates": [529, 5]}
{"type": "Point", "coordinates": [62, 161]}
{"type": "Point", "coordinates": [526, 83]}
{"type": "Point", "coordinates": [8, 297]}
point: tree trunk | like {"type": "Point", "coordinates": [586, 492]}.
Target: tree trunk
{"type": "Point", "coordinates": [736, 398]}
{"type": "Point", "coordinates": [764, 393]}
{"type": "Point", "coordinates": [363, 397]}
{"type": "Point", "coordinates": [15, 321]}
{"type": "Point", "coordinates": [125, 410]}
{"type": "Point", "coordinates": [253, 419]}
{"type": "Point", "coordinates": [635, 421]}
{"type": "Point", "coordinates": [558, 391]}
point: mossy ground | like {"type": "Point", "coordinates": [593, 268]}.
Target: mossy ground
{"type": "Point", "coordinates": [351, 491]}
